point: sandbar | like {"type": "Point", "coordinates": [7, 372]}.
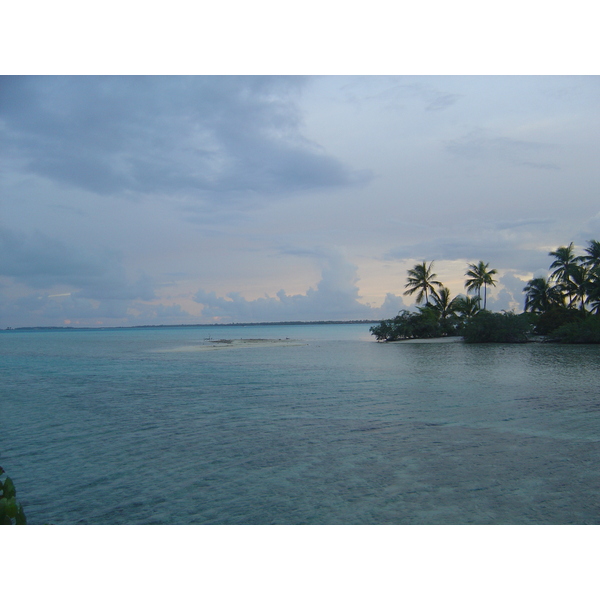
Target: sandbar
{"type": "Point", "coordinates": [212, 345]}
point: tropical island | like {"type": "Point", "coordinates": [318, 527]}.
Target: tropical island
{"type": "Point", "coordinates": [565, 307]}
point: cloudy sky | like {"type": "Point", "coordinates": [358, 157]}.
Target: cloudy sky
{"type": "Point", "coordinates": [201, 199]}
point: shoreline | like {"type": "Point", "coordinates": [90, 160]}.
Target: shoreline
{"type": "Point", "coordinates": [439, 340]}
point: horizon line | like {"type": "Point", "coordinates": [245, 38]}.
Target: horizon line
{"type": "Point", "coordinates": [88, 327]}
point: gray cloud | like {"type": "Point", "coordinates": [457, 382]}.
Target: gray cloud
{"type": "Point", "coordinates": [159, 314]}
{"type": "Point", "coordinates": [508, 244]}
{"type": "Point", "coordinates": [72, 309]}
{"type": "Point", "coordinates": [235, 183]}
{"type": "Point", "coordinates": [115, 286]}
{"type": "Point", "coordinates": [40, 310]}
{"type": "Point", "coordinates": [482, 145]}
{"type": "Point", "coordinates": [440, 101]}
{"type": "Point", "coordinates": [40, 261]}
{"type": "Point", "coordinates": [391, 306]}
{"type": "Point", "coordinates": [522, 223]}
{"type": "Point", "coordinates": [208, 135]}
{"type": "Point", "coordinates": [502, 253]}
{"type": "Point", "coordinates": [590, 229]}
{"type": "Point", "coordinates": [396, 93]}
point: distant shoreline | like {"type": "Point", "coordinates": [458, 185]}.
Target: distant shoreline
{"type": "Point", "coordinates": [68, 328]}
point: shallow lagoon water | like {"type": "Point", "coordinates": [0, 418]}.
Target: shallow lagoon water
{"type": "Point", "coordinates": [136, 426]}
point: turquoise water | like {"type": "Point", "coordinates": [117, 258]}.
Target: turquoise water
{"type": "Point", "coordinates": [144, 426]}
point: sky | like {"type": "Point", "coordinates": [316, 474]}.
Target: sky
{"type": "Point", "coordinates": [134, 200]}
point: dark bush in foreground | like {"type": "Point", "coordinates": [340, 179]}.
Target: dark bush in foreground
{"type": "Point", "coordinates": [583, 331]}
{"type": "Point", "coordinates": [489, 327]}
{"type": "Point", "coordinates": [11, 511]}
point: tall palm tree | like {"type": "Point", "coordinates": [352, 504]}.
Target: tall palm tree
{"type": "Point", "coordinates": [564, 266]}
{"type": "Point", "coordinates": [479, 276]}
{"type": "Point", "coordinates": [540, 295]}
{"type": "Point", "coordinates": [421, 280]}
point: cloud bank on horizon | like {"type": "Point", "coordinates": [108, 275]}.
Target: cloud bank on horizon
{"type": "Point", "coordinates": [165, 200]}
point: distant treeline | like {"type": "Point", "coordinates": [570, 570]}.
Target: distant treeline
{"type": "Point", "coordinates": [54, 328]}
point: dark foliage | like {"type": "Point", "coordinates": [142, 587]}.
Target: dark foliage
{"type": "Point", "coordinates": [489, 327]}
{"type": "Point", "coordinates": [581, 331]}
{"type": "Point", "coordinates": [574, 282]}
{"type": "Point", "coordinates": [406, 325]}
{"type": "Point", "coordinates": [555, 317]}
{"type": "Point", "coordinates": [11, 511]}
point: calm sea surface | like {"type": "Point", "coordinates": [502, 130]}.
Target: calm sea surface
{"type": "Point", "coordinates": [149, 426]}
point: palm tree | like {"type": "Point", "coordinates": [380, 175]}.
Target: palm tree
{"type": "Point", "coordinates": [466, 306]}
{"type": "Point", "coordinates": [594, 296]}
{"type": "Point", "coordinates": [540, 295]}
{"type": "Point", "coordinates": [480, 276]}
{"type": "Point", "coordinates": [442, 304]}
{"type": "Point", "coordinates": [421, 280]}
{"type": "Point", "coordinates": [592, 260]}
{"type": "Point", "coordinates": [564, 265]}
{"type": "Point", "coordinates": [593, 255]}
{"type": "Point", "coordinates": [580, 285]}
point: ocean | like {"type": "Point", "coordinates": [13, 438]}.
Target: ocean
{"type": "Point", "coordinates": [318, 425]}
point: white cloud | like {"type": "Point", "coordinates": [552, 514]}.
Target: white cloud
{"type": "Point", "coordinates": [334, 298]}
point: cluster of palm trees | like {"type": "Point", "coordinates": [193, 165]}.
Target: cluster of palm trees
{"type": "Point", "coordinates": [573, 289]}
{"type": "Point", "coordinates": [574, 282]}
{"type": "Point", "coordinates": [421, 280]}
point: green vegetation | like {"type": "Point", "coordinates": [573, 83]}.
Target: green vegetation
{"type": "Point", "coordinates": [505, 327]}
{"type": "Point", "coordinates": [426, 323]}
{"type": "Point", "coordinates": [554, 317]}
{"type": "Point", "coordinates": [11, 511]}
{"type": "Point", "coordinates": [574, 283]}
{"type": "Point", "coordinates": [440, 315]}
{"type": "Point", "coordinates": [582, 331]}
{"type": "Point", "coordinates": [568, 302]}
{"type": "Point", "coordinates": [565, 307]}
